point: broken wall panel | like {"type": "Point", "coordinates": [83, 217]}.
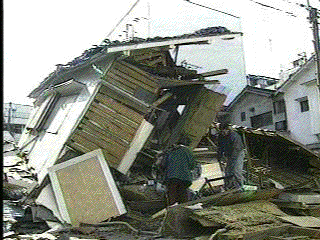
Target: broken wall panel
{"type": "Point", "coordinates": [114, 123]}
{"type": "Point", "coordinates": [131, 79]}
{"type": "Point", "coordinates": [202, 113]}
{"type": "Point", "coordinates": [85, 189]}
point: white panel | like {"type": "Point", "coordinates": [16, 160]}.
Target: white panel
{"type": "Point", "coordinates": [60, 113]}
{"type": "Point", "coordinates": [136, 145]}
{"type": "Point", "coordinates": [85, 189]}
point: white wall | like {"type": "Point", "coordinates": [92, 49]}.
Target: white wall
{"type": "Point", "coordinates": [47, 147]}
{"type": "Point", "coordinates": [261, 105]}
{"type": "Point", "coordinates": [303, 125]}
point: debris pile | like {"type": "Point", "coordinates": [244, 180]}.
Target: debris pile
{"type": "Point", "coordinates": [97, 130]}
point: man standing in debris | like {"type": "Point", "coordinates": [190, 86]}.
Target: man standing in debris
{"type": "Point", "coordinates": [231, 147]}
{"type": "Point", "coordinates": [177, 164]}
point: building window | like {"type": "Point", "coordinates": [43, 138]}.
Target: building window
{"type": "Point", "coordinates": [252, 109]}
{"type": "Point", "coordinates": [279, 107]}
{"type": "Point", "coordinates": [304, 106]}
{"type": "Point", "coordinates": [304, 103]}
{"type": "Point", "coordinates": [262, 120]}
{"type": "Point", "coordinates": [282, 125]}
{"type": "Point", "coordinates": [243, 116]}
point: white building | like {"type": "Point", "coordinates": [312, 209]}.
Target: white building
{"type": "Point", "coordinates": [302, 99]}
{"type": "Point", "coordinates": [257, 108]}
{"type": "Point", "coordinates": [15, 117]}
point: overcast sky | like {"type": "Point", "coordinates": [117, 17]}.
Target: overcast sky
{"type": "Point", "coordinates": [40, 34]}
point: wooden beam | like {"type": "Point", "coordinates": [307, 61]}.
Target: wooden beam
{"type": "Point", "coordinates": [214, 73]}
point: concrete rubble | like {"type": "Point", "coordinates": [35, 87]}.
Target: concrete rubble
{"type": "Point", "coordinates": [93, 176]}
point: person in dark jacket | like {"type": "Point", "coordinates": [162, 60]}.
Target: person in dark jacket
{"type": "Point", "coordinates": [177, 164]}
{"type": "Point", "coordinates": [231, 147]}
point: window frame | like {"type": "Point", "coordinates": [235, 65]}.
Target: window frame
{"type": "Point", "coordinates": [243, 116]}
{"type": "Point", "coordinates": [263, 118]}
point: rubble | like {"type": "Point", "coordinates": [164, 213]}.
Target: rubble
{"type": "Point", "coordinates": [86, 164]}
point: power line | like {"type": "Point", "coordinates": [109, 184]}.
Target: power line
{"type": "Point", "coordinates": [211, 8]}
{"type": "Point", "coordinates": [295, 3]}
{"type": "Point", "coordinates": [274, 8]}
{"type": "Point", "coordinates": [133, 6]}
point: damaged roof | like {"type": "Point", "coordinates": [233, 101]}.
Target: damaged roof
{"type": "Point", "coordinates": [250, 89]}
{"type": "Point", "coordinates": [89, 56]}
{"type": "Point", "coordinates": [259, 140]}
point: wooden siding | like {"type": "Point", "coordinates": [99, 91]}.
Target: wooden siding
{"type": "Point", "coordinates": [110, 123]}
{"type": "Point", "coordinates": [130, 78]}
{"type": "Point", "coordinates": [203, 111]}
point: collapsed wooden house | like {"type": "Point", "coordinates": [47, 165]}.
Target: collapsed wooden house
{"type": "Point", "coordinates": [123, 98]}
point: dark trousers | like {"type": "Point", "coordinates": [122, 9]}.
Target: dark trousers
{"type": "Point", "coordinates": [177, 191]}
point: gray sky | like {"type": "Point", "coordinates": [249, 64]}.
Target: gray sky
{"type": "Point", "coordinates": [40, 34]}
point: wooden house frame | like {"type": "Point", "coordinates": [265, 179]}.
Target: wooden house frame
{"type": "Point", "coordinates": [119, 100]}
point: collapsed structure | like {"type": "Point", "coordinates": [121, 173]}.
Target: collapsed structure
{"type": "Point", "coordinates": [127, 99]}
{"type": "Point", "coordinates": [100, 121]}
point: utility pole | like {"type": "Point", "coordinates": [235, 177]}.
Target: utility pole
{"type": "Point", "coordinates": [313, 18]}
{"type": "Point", "coordinates": [9, 119]}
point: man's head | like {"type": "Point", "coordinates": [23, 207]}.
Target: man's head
{"type": "Point", "coordinates": [224, 128]}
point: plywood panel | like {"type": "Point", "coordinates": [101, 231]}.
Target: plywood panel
{"type": "Point", "coordinates": [85, 189]}
{"type": "Point", "coordinates": [203, 111]}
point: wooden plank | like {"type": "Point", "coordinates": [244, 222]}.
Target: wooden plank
{"type": "Point", "coordinates": [77, 146]}
{"type": "Point", "coordinates": [214, 73]}
{"type": "Point", "coordinates": [162, 99]}
{"type": "Point", "coordinates": [112, 161]}
{"type": "Point", "coordinates": [156, 61]}
{"type": "Point", "coordinates": [139, 73]}
{"type": "Point", "coordinates": [202, 113]}
{"type": "Point", "coordinates": [114, 126]}
{"type": "Point", "coordinates": [146, 56]}
{"type": "Point", "coordinates": [118, 81]}
{"type": "Point", "coordinates": [104, 110]}
{"type": "Point", "coordinates": [128, 100]}
{"type": "Point", "coordinates": [133, 81]}
{"type": "Point", "coordinates": [119, 108]}
{"type": "Point", "coordinates": [134, 77]}
{"type": "Point", "coordinates": [95, 114]}
{"type": "Point", "coordinates": [103, 134]}
{"type": "Point", "coordinates": [99, 109]}
{"type": "Point", "coordinates": [110, 141]}
{"type": "Point", "coordinates": [82, 140]}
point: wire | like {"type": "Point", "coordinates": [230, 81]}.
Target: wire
{"type": "Point", "coordinates": [133, 6]}
{"type": "Point", "coordinates": [277, 9]}
{"type": "Point", "coordinates": [295, 3]}
{"type": "Point", "coordinates": [211, 8]}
